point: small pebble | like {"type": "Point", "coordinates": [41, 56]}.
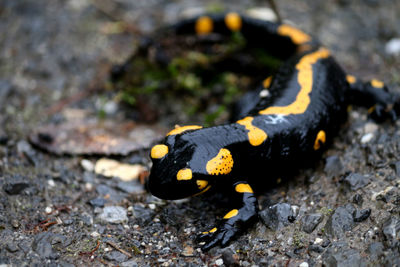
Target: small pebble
{"type": "Point", "coordinates": [51, 183]}
{"type": "Point", "coordinates": [316, 248]}
{"type": "Point", "coordinates": [318, 241]}
{"type": "Point", "coordinates": [87, 165]}
{"type": "Point", "coordinates": [333, 166]}
{"type": "Point", "coordinates": [11, 247]}
{"type": "Point", "coordinates": [277, 216]}
{"type": "Point", "coordinates": [48, 210]}
{"type": "Point", "coordinates": [114, 214]}
{"type": "Point", "coordinates": [110, 107]}
{"type": "Point", "coordinates": [264, 93]}
{"type": "Point", "coordinates": [263, 13]}
{"type": "Point", "coordinates": [366, 138]}
{"type": "Point", "coordinates": [88, 187]}
{"type": "Point", "coordinates": [94, 234]}
{"type": "Point", "coordinates": [152, 206]}
{"type": "Point", "coordinates": [393, 47]}
{"type": "Point", "coordinates": [356, 181]}
{"type": "Point", "coordinates": [358, 199]}
{"type": "Point", "coordinates": [370, 127]}
{"type": "Point", "coordinates": [15, 223]}
{"type": "Point", "coordinates": [310, 221]}
{"type": "Point", "coordinates": [303, 264]}
{"type": "Point", "coordinates": [97, 202]}
{"type": "Point", "coordinates": [361, 215]}
{"type": "Point", "coordinates": [219, 262]}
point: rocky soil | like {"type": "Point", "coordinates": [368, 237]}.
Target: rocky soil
{"type": "Point", "coordinates": [55, 211]}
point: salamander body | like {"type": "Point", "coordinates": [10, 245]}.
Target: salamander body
{"type": "Point", "coordinates": [289, 119]}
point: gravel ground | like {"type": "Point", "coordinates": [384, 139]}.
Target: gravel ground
{"type": "Point", "coordinates": [54, 211]}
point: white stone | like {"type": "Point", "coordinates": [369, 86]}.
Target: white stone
{"type": "Point", "coordinates": [51, 183]}
{"type": "Point", "coordinates": [393, 47]}
{"type": "Point", "coordinates": [366, 138]}
{"type": "Point", "coordinates": [219, 262]}
{"type": "Point", "coordinates": [263, 13]}
{"type": "Point", "coordinates": [318, 241]}
{"type": "Point", "coordinates": [87, 165]}
{"type": "Point", "coordinates": [48, 210]}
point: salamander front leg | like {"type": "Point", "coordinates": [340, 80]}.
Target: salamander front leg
{"type": "Point", "coordinates": [235, 221]}
{"type": "Point", "coordinates": [375, 96]}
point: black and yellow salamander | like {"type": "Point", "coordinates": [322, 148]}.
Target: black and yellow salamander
{"type": "Point", "coordinates": [284, 125]}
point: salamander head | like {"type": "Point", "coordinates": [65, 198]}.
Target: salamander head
{"type": "Point", "coordinates": [175, 173]}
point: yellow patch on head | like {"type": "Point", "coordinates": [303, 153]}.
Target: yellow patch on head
{"type": "Point", "coordinates": [201, 184]}
{"type": "Point", "coordinates": [377, 84]}
{"type": "Point", "coordinates": [233, 22]}
{"type": "Point", "coordinates": [158, 151]}
{"type": "Point", "coordinates": [305, 80]}
{"type": "Point", "coordinates": [222, 163]}
{"type": "Point", "coordinates": [204, 25]}
{"type": "Point", "coordinates": [298, 37]}
{"type": "Point", "coordinates": [256, 135]}
{"type": "Point", "coordinates": [320, 139]}
{"type": "Point", "coordinates": [231, 214]}
{"type": "Point", "coordinates": [182, 129]}
{"type": "Point", "coordinates": [267, 82]}
{"type": "Point", "coordinates": [351, 79]}
{"type": "Point", "coordinates": [184, 174]}
{"type": "Point", "coordinates": [243, 188]}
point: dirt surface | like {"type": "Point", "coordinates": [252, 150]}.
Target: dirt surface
{"type": "Point", "coordinates": [55, 57]}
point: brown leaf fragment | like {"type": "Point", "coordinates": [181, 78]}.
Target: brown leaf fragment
{"type": "Point", "coordinates": [95, 137]}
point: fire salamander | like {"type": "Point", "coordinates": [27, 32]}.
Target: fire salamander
{"type": "Point", "coordinates": [286, 123]}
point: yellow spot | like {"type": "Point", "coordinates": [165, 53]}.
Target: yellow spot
{"type": "Point", "coordinates": [158, 151]}
{"type": "Point", "coordinates": [243, 188]}
{"type": "Point", "coordinates": [184, 174]}
{"type": "Point", "coordinates": [298, 37]}
{"type": "Point", "coordinates": [320, 139]}
{"type": "Point", "coordinates": [351, 79]}
{"type": "Point", "coordinates": [267, 82]}
{"type": "Point", "coordinates": [204, 25]}
{"type": "Point", "coordinates": [211, 231]}
{"type": "Point", "coordinates": [279, 180]}
{"type": "Point", "coordinates": [182, 129]}
{"type": "Point", "coordinates": [201, 183]}
{"type": "Point", "coordinates": [349, 108]}
{"type": "Point", "coordinates": [377, 84]}
{"type": "Point", "coordinates": [221, 163]}
{"type": "Point", "coordinates": [231, 214]}
{"type": "Point", "coordinates": [256, 135]}
{"type": "Point", "coordinates": [371, 109]}
{"type": "Point", "coordinates": [305, 79]}
{"type": "Point", "coordinates": [233, 22]}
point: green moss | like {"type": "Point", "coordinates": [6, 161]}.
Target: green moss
{"type": "Point", "coordinates": [299, 239]}
{"type": "Point", "coordinates": [188, 79]}
{"type": "Point", "coordinates": [326, 211]}
{"type": "Point", "coordinates": [135, 250]}
{"type": "Point", "coordinates": [215, 8]}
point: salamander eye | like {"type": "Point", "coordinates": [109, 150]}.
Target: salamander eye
{"type": "Point", "coordinates": [158, 151]}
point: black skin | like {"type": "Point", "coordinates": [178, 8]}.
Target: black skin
{"type": "Point", "coordinates": [291, 138]}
